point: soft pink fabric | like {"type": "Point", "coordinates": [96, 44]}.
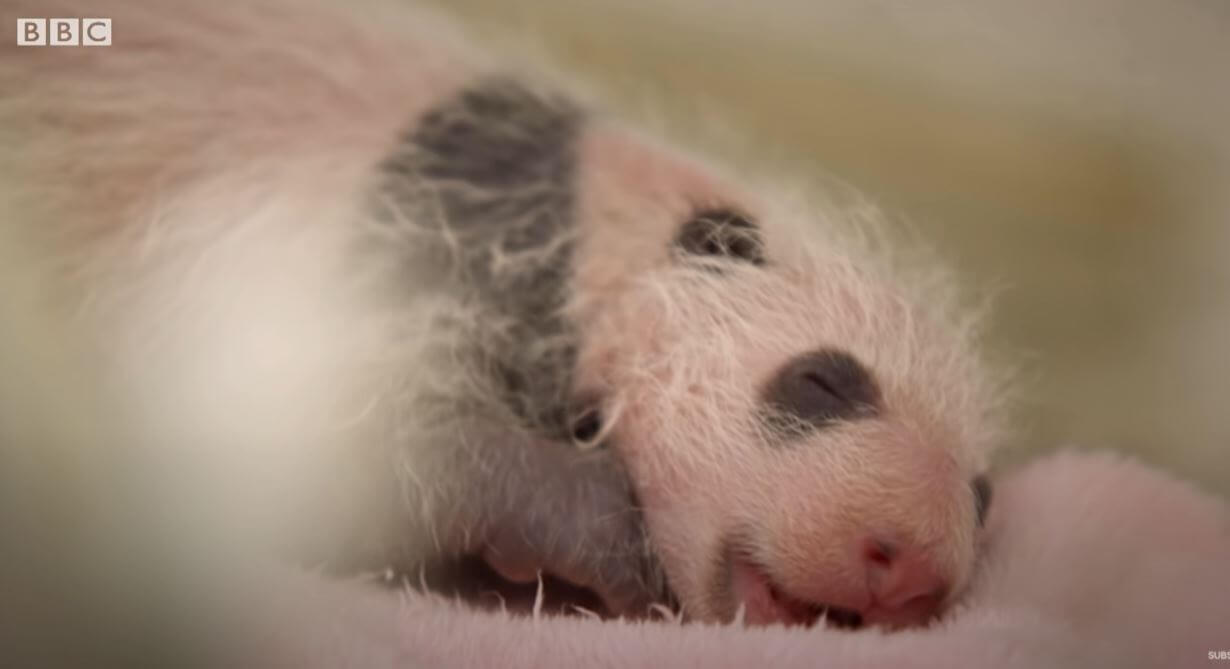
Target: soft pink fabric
{"type": "Point", "coordinates": [1092, 560]}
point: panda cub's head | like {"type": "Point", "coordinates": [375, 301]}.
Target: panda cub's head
{"type": "Point", "coordinates": [807, 430]}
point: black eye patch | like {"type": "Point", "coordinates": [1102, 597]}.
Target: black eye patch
{"type": "Point", "coordinates": [982, 497]}
{"type": "Point", "coordinates": [819, 388]}
{"type": "Point", "coordinates": [721, 233]}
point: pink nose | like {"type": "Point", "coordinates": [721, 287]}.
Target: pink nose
{"type": "Point", "coordinates": [905, 584]}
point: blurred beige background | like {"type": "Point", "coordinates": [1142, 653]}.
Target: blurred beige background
{"type": "Point", "coordinates": [1074, 155]}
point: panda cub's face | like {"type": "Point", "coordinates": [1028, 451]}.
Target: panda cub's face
{"type": "Point", "coordinates": [805, 441]}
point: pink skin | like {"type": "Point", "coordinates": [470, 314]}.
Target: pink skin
{"type": "Point", "coordinates": [881, 519]}
{"type": "Point", "coordinates": [899, 590]}
{"type": "Point", "coordinates": [845, 548]}
{"type": "Point", "coordinates": [834, 549]}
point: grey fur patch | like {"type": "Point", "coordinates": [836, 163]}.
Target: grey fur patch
{"type": "Point", "coordinates": [491, 173]}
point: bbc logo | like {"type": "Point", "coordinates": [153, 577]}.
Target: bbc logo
{"type": "Point", "coordinates": [63, 32]}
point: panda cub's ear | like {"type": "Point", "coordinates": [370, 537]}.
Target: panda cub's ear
{"type": "Point", "coordinates": [721, 233]}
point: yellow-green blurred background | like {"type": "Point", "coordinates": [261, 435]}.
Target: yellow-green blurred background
{"type": "Point", "coordinates": [1074, 155]}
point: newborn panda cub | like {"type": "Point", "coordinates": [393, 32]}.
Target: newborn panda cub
{"type": "Point", "coordinates": [586, 352]}
{"type": "Point", "coordinates": [804, 441]}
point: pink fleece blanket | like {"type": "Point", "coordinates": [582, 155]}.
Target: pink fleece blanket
{"type": "Point", "coordinates": [1092, 560]}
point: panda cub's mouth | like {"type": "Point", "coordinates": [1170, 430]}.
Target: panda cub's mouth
{"type": "Point", "coordinates": [764, 602]}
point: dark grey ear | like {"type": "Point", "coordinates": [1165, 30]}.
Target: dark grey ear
{"type": "Point", "coordinates": [721, 233]}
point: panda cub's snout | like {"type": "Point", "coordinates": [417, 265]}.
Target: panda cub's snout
{"type": "Point", "coordinates": [822, 387]}
{"type": "Point", "coordinates": [869, 571]}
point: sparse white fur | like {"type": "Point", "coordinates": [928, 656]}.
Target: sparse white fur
{"type": "Point", "coordinates": [205, 222]}
{"type": "Point", "coordinates": [687, 349]}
